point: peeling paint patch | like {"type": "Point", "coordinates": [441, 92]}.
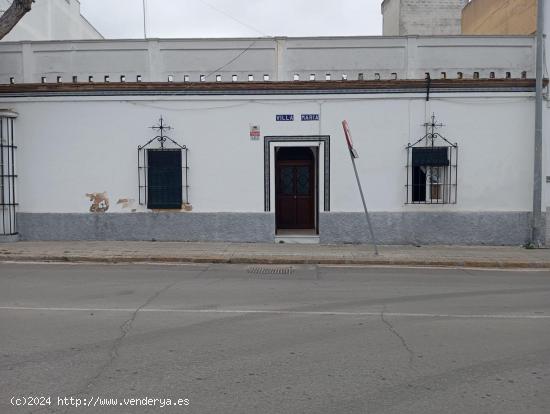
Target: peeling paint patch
{"type": "Point", "coordinates": [126, 202]}
{"type": "Point", "coordinates": [100, 202]}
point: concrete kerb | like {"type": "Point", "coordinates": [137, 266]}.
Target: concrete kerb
{"type": "Point", "coordinates": [486, 264]}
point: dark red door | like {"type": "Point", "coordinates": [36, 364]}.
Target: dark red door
{"type": "Point", "coordinates": [295, 192]}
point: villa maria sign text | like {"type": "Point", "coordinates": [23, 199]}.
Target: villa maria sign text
{"type": "Point", "coordinates": [290, 117]}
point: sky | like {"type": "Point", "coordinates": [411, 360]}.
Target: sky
{"type": "Point", "coordinates": [234, 18]}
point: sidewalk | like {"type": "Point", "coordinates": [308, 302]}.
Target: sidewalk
{"type": "Point", "coordinates": [175, 252]}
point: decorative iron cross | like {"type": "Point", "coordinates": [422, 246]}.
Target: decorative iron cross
{"type": "Point", "coordinates": [430, 129]}
{"type": "Point", "coordinates": [161, 128]}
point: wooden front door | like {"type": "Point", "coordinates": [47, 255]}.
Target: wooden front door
{"type": "Point", "coordinates": [295, 189]}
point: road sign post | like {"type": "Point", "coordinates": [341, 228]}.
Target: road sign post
{"type": "Point", "coordinates": [353, 155]}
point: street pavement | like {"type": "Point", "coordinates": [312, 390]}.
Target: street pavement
{"type": "Point", "coordinates": [218, 252]}
{"type": "Point", "coordinates": [274, 339]}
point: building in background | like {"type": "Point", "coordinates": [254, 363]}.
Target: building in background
{"type": "Point", "coordinates": [500, 17]}
{"type": "Point", "coordinates": [51, 20]}
{"type": "Point", "coordinates": [422, 17]}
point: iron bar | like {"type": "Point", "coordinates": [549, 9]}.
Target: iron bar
{"type": "Point", "coordinates": [456, 174]}
{"type": "Point", "coordinates": [11, 178]}
{"type": "Point", "coordinates": [186, 177]}
{"type": "Point", "coordinates": [139, 176]}
{"type": "Point", "coordinates": [2, 195]}
{"type": "Point", "coordinates": [408, 173]}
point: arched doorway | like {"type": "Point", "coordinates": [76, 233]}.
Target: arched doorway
{"type": "Point", "coordinates": [295, 186]}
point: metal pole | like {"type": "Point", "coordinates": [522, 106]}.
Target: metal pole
{"type": "Point", "coordinates": [537, 233]}
{"type": "Point", "coordinates": [145, 19]}
{"type": "Point", "coordinates": [364, 204]}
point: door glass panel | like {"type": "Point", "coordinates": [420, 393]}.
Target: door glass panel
{"type": "Point", "coordinates": [302, 180]}
{"type": "Point", "coordinates": [287, 180]}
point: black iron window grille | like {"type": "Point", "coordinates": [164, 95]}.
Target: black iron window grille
{"type": "Point", "coordinates": [163, 172]}
{"type": "Point", "coordinates": [8, 224]}
{"type": "Point", "coordinates": [432, 166]}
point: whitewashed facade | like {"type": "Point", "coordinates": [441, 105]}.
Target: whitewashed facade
{"type": "Point", "coordinates": [83, 108]}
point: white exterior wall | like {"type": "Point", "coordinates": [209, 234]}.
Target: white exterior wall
{"type": "Point", "coordinates": [281, 58]}
{"type": "Point", "coordinates": [52, 20]}
{"type": "Point", "coordinates": [72, 146]}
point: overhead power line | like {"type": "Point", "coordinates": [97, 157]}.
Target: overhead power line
{"type": "Point", "coordinates": [234, 18]}
{"type": "Point", "coordinates": [233, 60]}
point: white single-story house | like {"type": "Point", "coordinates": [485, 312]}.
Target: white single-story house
{"type": "Point", "coordinates": [242, 139]}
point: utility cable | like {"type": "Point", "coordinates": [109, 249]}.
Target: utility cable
{"type": "Point", "coordinates": [234, 18]}
{"type": "Point", "coordinates": [232, 60]}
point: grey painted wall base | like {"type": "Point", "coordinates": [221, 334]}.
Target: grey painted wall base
{"type": "Point", "coordinates": [238, 227]}
{"type": "Point", "coordinates": [489, 228]}
{"type": "Point", "coordinates": [478, 228]}
{"type": "Point", "coordinates": [9, 239]}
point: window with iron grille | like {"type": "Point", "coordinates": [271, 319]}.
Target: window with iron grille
{"type": "Point", "coordinates": [8, 204]}
{"type": "Point", "coordinates": [163, 172]}
{"type": "Point", "coordinates": [432, 165]}
{"type": "Point", "coordinates": [164, 179]}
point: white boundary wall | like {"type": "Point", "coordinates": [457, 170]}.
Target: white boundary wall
{"type": "Point", "coordinates": [279, 58]}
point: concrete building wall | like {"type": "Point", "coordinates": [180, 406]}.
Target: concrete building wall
{"type": "Point", "coordinates": [500, 17]}
{"type": "Point", "coordinates": [52, 20]}
{"type": "Point", "coordinates": [422, 17]}
{"type": "Point", "coordinates": [279, 59]}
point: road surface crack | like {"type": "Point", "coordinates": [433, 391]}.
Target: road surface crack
{"type": "Point", "coordinates": [125, 329]}
{"type": "Point", "coordinates": [394, 331]}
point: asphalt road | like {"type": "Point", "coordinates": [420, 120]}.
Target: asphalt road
{"type": "Point", "coordinates": [318, 340]}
